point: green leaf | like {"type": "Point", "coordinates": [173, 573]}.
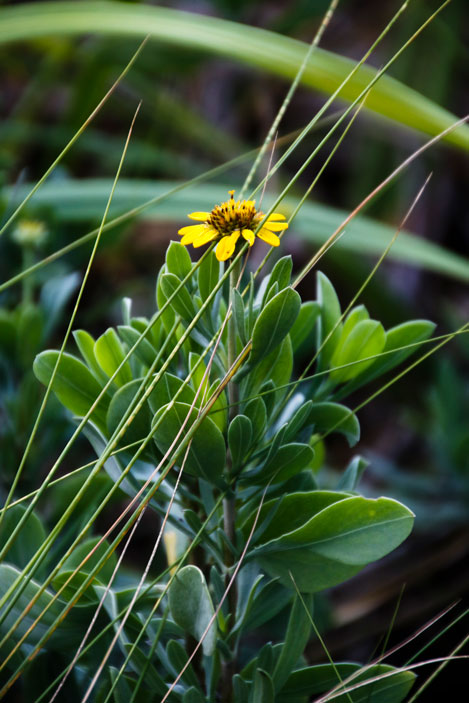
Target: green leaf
{"type": "Point", "coordinates": [281, 273]}
{"type": "Point", "coordinates": [275, 368]}
{"type": "Point", "coordinates": [268, 602]}
{"type": "Point", "coordinates": [336, 542]}
{"type": "Point", "coordinates": [297, 421]}
{"type": "Point", "coordinates": [109, 354]}
{"type": "Point", "coordinates": [182, 302]}
{"type": "Point", "coordinates": [165, 390]}
{"type": "Point", "coordinates": [324, 72]}
{"type": "Point", "coordinates": [54, 296]}
{"type": "Point", "coordinates": [406, 333]}
{"type": "Point", "coordinates": [262, 690]}
{"type": "Point", "coordinates": [296, 639]}
{"type": "Point", "coordinates": [85, 344]}
{"type": "Point", "coordinates": [314, 680]}
{"type": "Point", "coordinates": [239, 314]}
{"type": "Point", "coordinates": [145, 351]}
{"type": "Point", "coordinates": [209, 273]}
{"type": "Point", "coordinates": [329, 326]}
{"type": "Point", "coordinates": [168, 315]}
{"type": "Point", "coordinates": [38, 606]}
{"type": "Point", "coordinates": [74, 385]}
{"type": "Point", "coordinates": [290, 512]}
{"type": "Point", "coordinates": [67, 581]}
{"type": "Point", "coordinates": [355, 530]}
{"type": "Point", "coordinates": [140, 663]}
{"type": "Point", "coordinates": [178, 260]}
{"type": "Point", "coordinates": [289, 460]}
{"type": "Point", "coordinates": [240, 689]}
{"type": "Point", "coordinates": [256, 411]}
{"type": "Point", "coordinates": [270, 292]}
{"type": "Point", "coordinates": [85, 549]}
{"type": "Point", "coordinates": [178, 657]}
{"type": "Point", "coordinates": [199, 377]}
{"type": "Point", "coordinates": [122, 692]}
{"type": "Point", "coordinates": [140, 426]}
{"type": "Point", "coordinates": [191, 606]}
{"type": "Point", "coordinates": [352, 474]}
{"type": "Point", "coordinates": [303, 327]}
{"type": "Point", "coordinates": [274, 323]}
{"type": "Point", "coordinates": [29, 539]}
{"type": "Point", "coordinates": [218, 412]}
{"type": "Point", "coordinates": [366, 339]}
{"type": "Point", "coordinates": [193, 695]}
{"type": "Point", "coordinates": [239, 439]}
{"type": "Point", "coordinates": [332, 417]}
{"type": "Point", "coordinates": [207, 454]}
{"type": "Point", "coordinates": [356, 315]}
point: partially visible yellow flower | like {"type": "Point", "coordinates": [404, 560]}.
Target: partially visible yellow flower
{"type": "Point", "coordinates": [29, 233]}
{"type": "Point", "coordinates": [230, 221]}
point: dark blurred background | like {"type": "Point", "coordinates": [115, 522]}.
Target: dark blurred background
{"type": "Point", "coordinates": [198, 111]}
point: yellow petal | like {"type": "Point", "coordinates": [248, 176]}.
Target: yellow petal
{"type": "Point", "coordinates": [226, 246]}
{"type": "Point", "coordinates": [205, 237]}
{"type": "Point", "coordinates": [192, 229]}
{"type": "Point", "coordinates": [274, 216]}
{"type": "Point", "coordinates": [269, 237]}
{"type": "Point", "coordinates": [248, 236]}
{"type": "Point", "coordinates": [275, 226]}
{"type": "Point", "coordinates": [202, 216]}
{"type": "Point", "coordinates": [188, 239]}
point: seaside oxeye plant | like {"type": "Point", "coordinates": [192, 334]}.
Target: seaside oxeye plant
{"type": "Point", "coordinates": [207, 422]}
{"type": "Point", "coordinates": [200, 411]}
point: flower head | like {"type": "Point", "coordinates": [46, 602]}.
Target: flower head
{"type": "Point", "coordinates": [230, 221]}
{"type": "Point", "coordinates": [29, 233]}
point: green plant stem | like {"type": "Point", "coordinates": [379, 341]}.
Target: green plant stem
{"type": "Point", "coordinates": [229, 504]}
{"type": "Point", "coordinates": [27, 283]}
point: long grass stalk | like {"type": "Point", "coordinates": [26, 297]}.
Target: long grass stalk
{"type": "Point", "coordinates": [234, 362]}
{"type": "Point", "coordinates": [76, 136]}
{"type": "Point", "coordinates": [291, 91]}
{"type": "Point", "coordinates": [42, 408]}
{"type": "Point", "coordinates": [16, 587]}
{"type": "Point", "coordinates": [205, 376]}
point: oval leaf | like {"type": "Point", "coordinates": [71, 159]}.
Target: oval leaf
{"type": "Point", "coordinates": [239, 438]}
{"type": "Point", "coordinates": [337, 542]}
{"type": "Point", "coordinates": [289, 460]}
{"type": "Point", "coordinates": [329, 326]}
{"type": "Point", "coordinates": [207, 454]}
{"type": "Point", "coordinates": [140, 426]}
{"type": "Point", "coordinates": [74, 384]}
{"type": "Point", "coordinates": [332, 417]}
{"type": "Point", "coordinates": [191, 606]}
{"type": "Point", "coordinates": [366, 339]}
{"type": "Point", "coordinates": [178, 260]}
{"type": "Point", "coordinates": [274, 323]}
{"type": "Point", "coordinates": [110, 354]}
{"type": "Point", "coordinates": [181, 301]}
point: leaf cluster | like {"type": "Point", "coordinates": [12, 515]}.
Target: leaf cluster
{"type": "Point", "coordinates": [161, 393]}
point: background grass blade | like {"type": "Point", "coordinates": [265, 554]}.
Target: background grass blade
{"type": "Point", "coordinates": [325, 70]}
{"type": "Point", "coordinates": [78, 201]}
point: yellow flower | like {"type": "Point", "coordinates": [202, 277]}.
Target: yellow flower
{"type": "Point", "coordinates": [230, 221]}
{"type": "Point", "coordinates": [29, 233]}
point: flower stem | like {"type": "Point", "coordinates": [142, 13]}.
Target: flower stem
{"type": "Point", "coordinates": [27, 285]}
{"type": "Point", "coordinates": [229, 503]}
